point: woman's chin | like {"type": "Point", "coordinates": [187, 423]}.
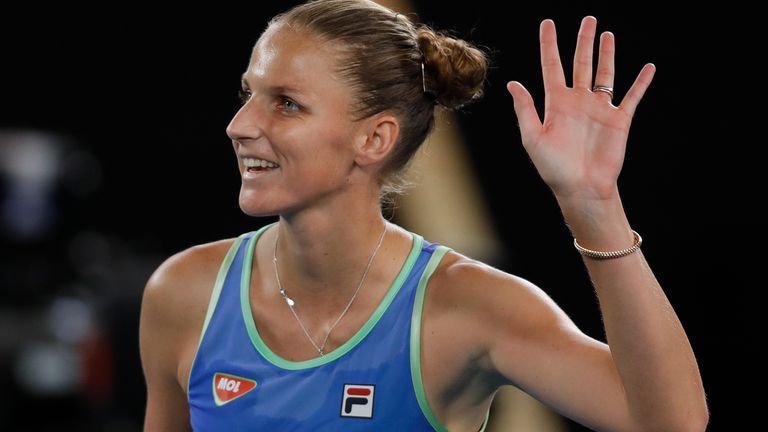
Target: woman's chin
{"type": "Point", "coordinates": [256, 207]}
{"type": "Point", "coordinates": [256, 210]}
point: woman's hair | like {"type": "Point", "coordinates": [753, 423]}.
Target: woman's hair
{"type": "Point", "coordinates": [382, 56]}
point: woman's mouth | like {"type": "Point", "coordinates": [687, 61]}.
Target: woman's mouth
{"type": "Point", "coordinates": [255, 167]}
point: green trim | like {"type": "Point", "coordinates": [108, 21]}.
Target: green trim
{"type": "Point", "coordinates": [418, 306]}
{"type": "Point", "coordinates": [280, 362]}
{"type": "Point", "coordinates": [223, 270]}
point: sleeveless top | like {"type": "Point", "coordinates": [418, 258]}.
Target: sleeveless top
{"type": "Point", "coordinates": [371, 382]}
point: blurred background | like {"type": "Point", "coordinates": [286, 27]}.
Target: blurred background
{"type": "Point", "coordinates": [113, 156]}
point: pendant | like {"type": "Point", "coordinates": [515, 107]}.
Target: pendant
{"type": "Point", "coordinates": [287, 299]}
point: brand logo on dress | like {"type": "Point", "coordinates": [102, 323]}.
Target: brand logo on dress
{"type": "Point", "coordinates": [227, 388]}
{"type": "Point", "coordinates": [357, 401]}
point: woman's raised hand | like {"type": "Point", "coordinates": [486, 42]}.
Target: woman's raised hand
{"type": "Point", "coordinates": [579, 147]}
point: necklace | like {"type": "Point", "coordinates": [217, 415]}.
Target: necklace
{"type": "Point", "coordinates": [289, 301]}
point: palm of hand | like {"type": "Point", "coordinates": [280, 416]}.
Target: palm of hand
{"type": "Point", "coordinates": [579, 147]}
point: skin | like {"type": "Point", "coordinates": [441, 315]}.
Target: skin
{"type": "Point", "coordinates": [482, 327]}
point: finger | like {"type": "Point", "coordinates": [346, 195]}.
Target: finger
{"type": "Point", "coordinates": [636, 92]}
{"type": "Point", "coordinates": [605, 63]}
{"type": "Point", "coordinates": [527, 117]}
{"type": "Point", "coordinates": [551, 67]}
{"type": "Point", "coordinates": [582, 59]}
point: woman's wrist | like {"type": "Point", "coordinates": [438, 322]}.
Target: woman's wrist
{"type": "Point", "coordinates": [598, 224]}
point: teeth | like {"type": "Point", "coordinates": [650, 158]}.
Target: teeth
{"type": "Point", "coordinates": [253, 163]}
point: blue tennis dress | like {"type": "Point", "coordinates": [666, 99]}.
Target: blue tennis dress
{"type": "Point", "coordinates": [370, 383]}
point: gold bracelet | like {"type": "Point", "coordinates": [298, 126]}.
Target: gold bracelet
{"type": "Point", "coordinates": [611, 254]}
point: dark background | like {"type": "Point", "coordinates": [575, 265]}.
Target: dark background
{"type": "Point", "coordinates": [146, 97]}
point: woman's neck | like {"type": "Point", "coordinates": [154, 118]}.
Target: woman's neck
{"type": "Point", "coordinates": [322, 253]}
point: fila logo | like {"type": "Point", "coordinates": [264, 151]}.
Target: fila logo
{"type": "Point", "coordinates": [357, 401]}
{"type": "Point", "coordinates": [227, 388]}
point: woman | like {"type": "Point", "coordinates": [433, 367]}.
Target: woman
{"type": "Point", "coordinates": [334, 318]}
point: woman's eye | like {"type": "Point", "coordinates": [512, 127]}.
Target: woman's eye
{"type": "Point", "coordinates": [284, 104]}
{"type": "Point", "coordinates": [289, 105]}
{"type": "Point", "coordinates": [243, 95]}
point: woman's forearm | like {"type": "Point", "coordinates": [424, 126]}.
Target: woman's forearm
{"type": "Point", "coordinates": [647, 341]}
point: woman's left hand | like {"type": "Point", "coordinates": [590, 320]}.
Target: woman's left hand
{"type": "Point", "coordinates": [579, 148]}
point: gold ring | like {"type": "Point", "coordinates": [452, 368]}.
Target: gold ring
{"type": "Point", "coordinates": [606, 89]}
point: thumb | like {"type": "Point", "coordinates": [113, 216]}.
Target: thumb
{"type": "Point", "coordinates": [527, 117]}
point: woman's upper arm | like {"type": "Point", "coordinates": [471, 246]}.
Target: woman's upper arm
{"type": "Point", "coordinates": [531, 343]}
{"type": "Point", "coordinates": [160, 329]}
{"type": "Point", "coordinates": [172, 313]}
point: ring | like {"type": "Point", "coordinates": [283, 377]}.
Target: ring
{"type": "Point", "coordinates": [606, 89]}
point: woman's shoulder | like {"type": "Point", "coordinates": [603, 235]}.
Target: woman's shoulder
{"type": "Point", "coordinates": [479, 289]}
{"type": "Point", "coordinates": [189, 265]}
{"type": "Point", "coordinates": [457, 272]}
{"type": "Point", "coordinates": [180, 287]}
{"type": "Point", "coordinates": [174, 304]}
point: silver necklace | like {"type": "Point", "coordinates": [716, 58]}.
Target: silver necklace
{"type": "Point", "coordinates": [289, 301]}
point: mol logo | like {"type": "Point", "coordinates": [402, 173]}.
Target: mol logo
{"type": "Point", "coordinates": [357, 401]}
{"type": "Point", "coordinates": [227, 388]}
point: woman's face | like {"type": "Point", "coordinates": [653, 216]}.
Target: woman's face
{"type": "Point", "coordinates": [296, 115]}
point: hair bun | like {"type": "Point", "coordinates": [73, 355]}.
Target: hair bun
{"type": "Point", "coordinates": [455, 69]}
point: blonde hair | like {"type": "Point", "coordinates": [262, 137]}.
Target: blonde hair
{"type": "Point", "coordinates": [382, 53]}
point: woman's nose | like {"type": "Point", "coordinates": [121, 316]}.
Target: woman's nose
{"type": "Point", "coordinates": [247, 123]}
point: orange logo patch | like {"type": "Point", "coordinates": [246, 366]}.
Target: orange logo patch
{"type": "Point", "coordinates": [227, 388]}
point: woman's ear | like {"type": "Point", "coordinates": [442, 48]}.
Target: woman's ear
{"type": "Point", "coordinates": [378, 139]}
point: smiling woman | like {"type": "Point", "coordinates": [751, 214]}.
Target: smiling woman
{"type": "Point", "coordinates": [365, 325]}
